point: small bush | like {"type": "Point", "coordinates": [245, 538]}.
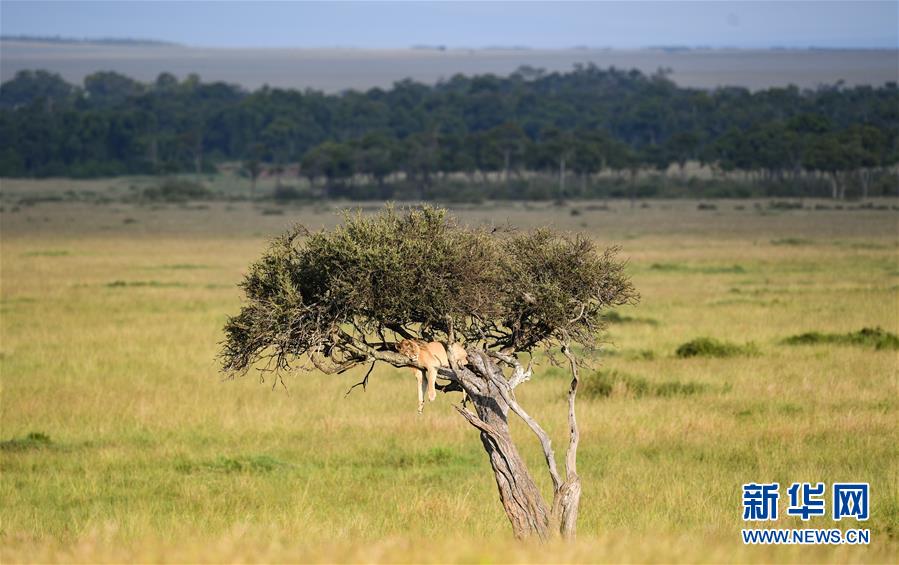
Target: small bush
{"type": "Point", "coordinates": [644, 355]}
{"type": "Point", "coordinates": [706, 270]}
{"type": "Point", "coordinates": [614, 317]}
{"type": "Point", "coordinates": [34, 440]}
{"type": "Point", "coordinates": [177, 190]}
{"type": "Point", "coordinates": [285, 193]}
{"type": "Point", "coordinates": [877, 338]}
{"type": "Point", "coordinates": [603, 384]}
{"type": "Point", "coordinates": [151, 284]}
{"type": "Point", "coordinates": [668, 267]}
{"type": "Point", "coordinates": [183, 267]}
{"type": "Point", "coordinates": [790, 241]}
{"type": "Point", "coordinates": [676, 388]}
{"type": "Point", "coordinates": [736, 269]}
{"type": "Point", "coordinates": [784, 205]}
{"type": "Point", "coordinates": [710, 347]}
{"type": "Point", "coordinates": [704, 206]}
{"type": "Point", "coordinates": [47, 253]}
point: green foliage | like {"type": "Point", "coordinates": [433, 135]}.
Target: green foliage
{"type": "Point", "coordinates": [615, 317]}
{"type": "Point", "coordinates": [34, 440]}
{"type": "Point", "coordinates": [417, 271]}
{"type": "Point", "coordinates": [877, 338]}
{"type": "Point", "coordinates": [603, 384]}
{"type": "Point", "coordinates": [47, 253]}
{"type": "Point", "coordinates": [286, 193]}
{"type": "Point", "coordinates": [791, 241]}
{"type": "Point", "coordinates": [705, 269]}
{"type": "Point", "coordinates": [177, 190]}
{"type": "Point", "coordinates": [149, 284]}
{"type": "Point", "coordinates": [711, 347]}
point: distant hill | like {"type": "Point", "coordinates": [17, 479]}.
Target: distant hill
{"type": "Point", "coordinates": [86, 40]}
{"type": "Point", "coordinates": [337, 69]}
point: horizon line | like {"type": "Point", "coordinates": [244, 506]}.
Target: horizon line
{"type": "Point", "coordinates": [148, 42]}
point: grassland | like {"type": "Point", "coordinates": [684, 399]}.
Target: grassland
{"type": "Point", "coordinates": [110, 319]}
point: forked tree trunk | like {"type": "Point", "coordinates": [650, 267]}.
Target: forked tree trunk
{"type": "Point", "coordinates": [519, 494]}
{"type": "Point", "coordinates": [493, 397]}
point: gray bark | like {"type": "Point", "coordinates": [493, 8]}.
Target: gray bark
{"type": "Point", "coordinates": [518, 492]}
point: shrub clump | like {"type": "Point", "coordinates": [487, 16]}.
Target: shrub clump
{"type": "Point", "coordinates": [177, 190]}
{"type": "Point", "coordinates": [615, 317]}
{"type": "Point", "coordinates": [711, 347]}
{"type": "Point", "coordinates": [34, 440]}
{"type": "Point", "coordinates": [286, 193]}
{"type": "Point", "coordinates": [791, 241]}
{"type": "Point", "coordinates": [877, 337]}
{"type": "Point", "coordinates": [603, 384]}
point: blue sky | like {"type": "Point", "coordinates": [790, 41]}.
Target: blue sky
{"type": "Point", "coordinates": [622, 24]}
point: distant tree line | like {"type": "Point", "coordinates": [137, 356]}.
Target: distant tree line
{"type": "Point", "coordinates": [571, 126]}
{"type": "Point", "coordinates": [125, 41]}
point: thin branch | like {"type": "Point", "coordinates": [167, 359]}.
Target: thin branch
{"type": "Point", "coordinates": [574, 434]}
{"type": "Point", "coordinates": [363, 382]}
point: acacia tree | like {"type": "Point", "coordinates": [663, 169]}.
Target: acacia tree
{"type": "Point", "coordinates": [333, 300]}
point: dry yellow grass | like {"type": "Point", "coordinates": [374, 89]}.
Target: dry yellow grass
{"type": "Point", "coordinates": [153, 458]}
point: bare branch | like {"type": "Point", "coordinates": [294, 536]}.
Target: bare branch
{"type": "Point", "coordinates": [520, 375]}
{"type": "Point", "coordinates": [574, 434]}
{"type": "Point", "coordinates": [363, 382]}
{"type": "Point", "coordinates": [566, 505]}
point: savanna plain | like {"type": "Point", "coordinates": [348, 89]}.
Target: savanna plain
{"type": "Point", "coordinates": [121, 441]}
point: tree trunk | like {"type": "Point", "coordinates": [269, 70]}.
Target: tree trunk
{"type": "Point", "coordinates": [518, 492]}
{"type": "Point", "coordinates": [865, 181]}
{"type": "Point", "coordinates": [506, 160]}
{"type": "Point", "coordinates": [562, 177]}
{"type": "Point", "coordinates": [154, 154]}
{"type": "Point", "coordinates": [493, 396]}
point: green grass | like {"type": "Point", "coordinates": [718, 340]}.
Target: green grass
{"type": "Point", "coordinates": [122, 443]}
{"type": "Point", "coordinates": [878, 338]}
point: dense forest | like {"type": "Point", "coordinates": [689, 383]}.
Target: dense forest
{"type": "Point", "coordinates": [575, 125]}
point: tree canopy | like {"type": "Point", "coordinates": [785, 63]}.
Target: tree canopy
{"type": "Point", "coordinates": [334, 299]}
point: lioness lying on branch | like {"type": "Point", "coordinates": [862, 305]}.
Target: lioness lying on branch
{"type": "Point", "coordinates": [431, 356]}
